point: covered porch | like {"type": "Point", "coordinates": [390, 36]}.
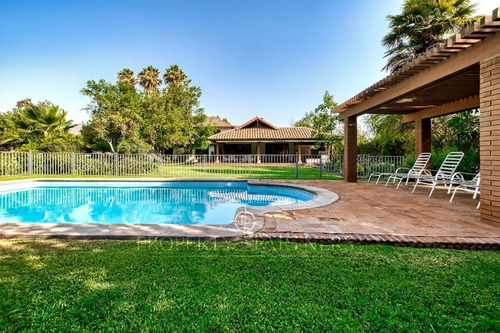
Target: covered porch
{"type": "Point", "coordinates": [267, 151]}
{"type": "Point", "coordinates": [459, 75]}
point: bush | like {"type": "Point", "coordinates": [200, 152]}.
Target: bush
{"type": "Point", "coordinates": [133, 146]}
{"type": "Point", "coordinates": [93, 164]}
{"type": "Point", "coordinates": [101, 146]}
{"type": "Point", "coordinates": [9, 165]}
{"type": "Point", "coordinates": [470, 162]}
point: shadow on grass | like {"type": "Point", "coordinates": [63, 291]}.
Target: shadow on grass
{"type": "Point", "coordinates": [243, 286]}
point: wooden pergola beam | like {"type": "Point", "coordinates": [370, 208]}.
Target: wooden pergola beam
{"type": "Point", "coordinates": [440, 71]}
{"type": "Point", "coordinates": [489, 22]}
{"type": "Point", "coordinates": [444, 109]}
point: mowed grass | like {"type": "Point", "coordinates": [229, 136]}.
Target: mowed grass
{"type": "Point", "coordinates": [214, 172]}
{"type": "Point", "coordinates": [56, 285]}
{"type": "Point", "coordinates": [245, 172]}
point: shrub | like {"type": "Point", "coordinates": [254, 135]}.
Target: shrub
{"type": "Point", "coordinates": [133, 146]}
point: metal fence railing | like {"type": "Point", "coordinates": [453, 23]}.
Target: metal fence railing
{"type": "Point", "coordinates": [265, 166]}
{"type": "Point", "coordinates": [368, 164]}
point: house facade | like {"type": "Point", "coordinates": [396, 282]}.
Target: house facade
{"type": "Point", "coordinates": [259, 137]}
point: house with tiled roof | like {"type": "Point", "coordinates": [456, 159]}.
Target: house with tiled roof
{"type": "Point", "coordinates": [258, 136]}
{"type": "Point", "coordinates": [221, 125]}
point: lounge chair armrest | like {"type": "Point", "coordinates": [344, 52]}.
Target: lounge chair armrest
{"type": "Point", "coordinates": [401, 169]}
{"type": "Point", "coordinates": [458, 176]}
{"type": "Point", "coordinates": [425, 172]}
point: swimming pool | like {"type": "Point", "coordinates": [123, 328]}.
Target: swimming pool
{"type": "Point", "coordinates": [125, 202]}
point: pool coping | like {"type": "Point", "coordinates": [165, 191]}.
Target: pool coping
{"type": "Point", "coordinates": [248, 219]}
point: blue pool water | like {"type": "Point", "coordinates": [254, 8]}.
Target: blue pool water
{"type": "Point", "coordinates": [139, 202]}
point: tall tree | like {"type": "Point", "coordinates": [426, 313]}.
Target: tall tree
{"type": "Point", "coordinates": [174, 76]}
{"type": "Point", "coordinates": [115, 111]}
{"type": "Point", "coordinates": [422, 25]}
{"type": "Point", "coordinates": [323, 121]}
{"type": "Point", "coordinates": [130, 120]}
{"type": "Point", "coordinates": [149, 79]}
{"type": "Point", "coordinates": [126, 75]}
{"type": "Point", "coordinates": [391, 136]}
{"type": "Point", "coordinates": [173, 119]}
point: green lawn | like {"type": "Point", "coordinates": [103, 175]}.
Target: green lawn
{"type": "Point", "coordinates": [245, 172]}
{"type": "Point", "coordinates": [55, 285]}
{"type": "Point", "coordinates": [220, 171]}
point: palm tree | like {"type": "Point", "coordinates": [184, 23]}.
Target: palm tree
{"type": "Point", "coordinates": [422, 25]}
{"type": "Point", "coordinates": [174, 76]}
{"type": "Point", "coordinates": [47, 121]}
{"type": "Point", "coordinates": [149, 79]}
{"type": "Point", "coordinates": [126, 75]}
{"type": "Point", "coordinates": [36, 123]}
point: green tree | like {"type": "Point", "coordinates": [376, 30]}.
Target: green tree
{"type": "Point", "coordinates": [38, 127]}
{"type": "Point", "coordinates": [422, 25]}
{"type": "Point", "coordinates": [391, 136]}
{"type": "Point", "coordinates": [126, 76]}
{"type": "Point", "coordinates": [7, 129]}
{"type": "Point", "coordinates": [457, 132]}
{"type": "Point", "coordinates": [173, 118]}
{"type": "Point", "coordinates": [130, 120]}
{"type": "Point", "coordinates": [115, 111]}
{"type": "Point", "coordinates": [174, 76]}
{"type": "Point", "coordinates": [149, 79]}
{"type": "Point", "coordinates": [323, 122]}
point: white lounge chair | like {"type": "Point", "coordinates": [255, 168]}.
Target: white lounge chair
{"type": "Point", "coordinates": [443, 176]}
{"type": "Point", "coordinates": [466, 185]}
{"type": "Point", "coordinates": [413, 173]}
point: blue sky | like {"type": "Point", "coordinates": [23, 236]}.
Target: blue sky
{"type": "Point", "coordinates": [271, 58]}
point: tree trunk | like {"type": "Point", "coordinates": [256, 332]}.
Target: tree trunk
{"type": "Point", "coordinates": [110, 143]}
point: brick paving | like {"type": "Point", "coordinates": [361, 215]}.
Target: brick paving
{"type": "Point", "coordinates": [369, 213]}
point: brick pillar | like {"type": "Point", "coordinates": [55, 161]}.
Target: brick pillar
{"type": "Point", "coordinates": [489, 101]}
{"type": "Point", "coordinates": [422, 136]}
{"type": "Point", "coordinates": [350, 149]}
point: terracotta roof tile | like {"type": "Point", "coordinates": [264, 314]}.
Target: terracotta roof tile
{"type": "Point", "coordinates": [257, 121]}
{"type": "Point", "coordinates": [253, 133]}
{"type": "Point", "coordinates": [217, 122]}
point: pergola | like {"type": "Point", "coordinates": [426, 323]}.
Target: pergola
{"type": "Point", "coordinates": [459, 75]}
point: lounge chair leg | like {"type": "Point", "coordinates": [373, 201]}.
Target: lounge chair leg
{"type": "Point", "coordinates": [449, 189]}
{"type": "Point", "coordinates": [432, 190]}
{"type": "Point", "coordinates": [478, 205]}
{"type": "Point", "coordinates": [454, 192]}
{"type": "Point", "coordinates": [387, 182]}
{"type": "Point", "coordinates": [399, 183]}
{"type": "Point", "coordinates": [415, 187]}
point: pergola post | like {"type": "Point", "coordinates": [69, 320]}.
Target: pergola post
{"type": "Point", "coordinates": [422, 136]}
{"type": "Point", "coordinates": [489, 100]}
{"type": "Point", "coordinates": [216, 152]}
{"type": "Point", "coordinates": [258, 152]}
{"type": "Point", "coordinates": [350, 149]}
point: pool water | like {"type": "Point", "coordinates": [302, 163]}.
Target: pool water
{"type": "Point", "coordinates": [139, 202]}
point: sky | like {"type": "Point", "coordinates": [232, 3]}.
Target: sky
{"type": "Point", "coordinates": [268, 58]}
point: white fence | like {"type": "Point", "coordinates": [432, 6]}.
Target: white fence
{"type": "Point", "coordinates": [190, 166]}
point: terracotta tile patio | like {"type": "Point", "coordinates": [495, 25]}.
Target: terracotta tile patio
{"type": "Point", "coordinates": [369, 212]}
